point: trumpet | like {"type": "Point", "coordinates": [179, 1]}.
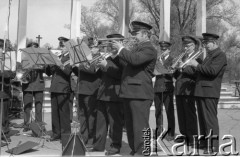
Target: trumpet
{"type": "Point", "coordinates": [195, 56]}
{"type": "Point", "coordinates": [99, 56]}
{"type": "Point", "coordinates": [178, 59]}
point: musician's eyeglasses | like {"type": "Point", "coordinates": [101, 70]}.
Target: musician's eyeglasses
{"type": "Point", "coordinates": [207, 42]}
{"type": "Point", "coordinates": [188, 45]}
{"type": "Point", "coordinates": [134, 33]}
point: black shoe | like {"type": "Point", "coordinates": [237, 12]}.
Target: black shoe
{"type": "Point", "coordinates": [169, 138]}
{"type": "Point", "coordinates": [178, 140]}
{"type": "Point", "coordinates": [112, 151]}
{"type": "Point", "coordinates": [210, 151]}
{"type": "Point", "coordinates": [89, 146]}
{"type": "Point", "coordinates": [55, 138]}
{"type": "Point", "coordinates": [132, 153]}
{"type": "Point", "coordinates": [26, 129]}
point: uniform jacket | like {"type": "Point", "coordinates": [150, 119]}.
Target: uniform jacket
{"type": "Point", "coordinates": [88, 80]}
{"type": "Point", "coordinates": [164, 82]}
{"type": "Point", "coordinates": [185, 80]}
{"type": "Point", "coordinates": [36, 82]}
{"type": "Point", "coordinates": [138, 72]}
{"type": "Point", "coordinates": [60, 77]}
{"type": "Point", "coordinates": [210, 74]}
{"type": "Point", "coordinates": [8, 75]}
{"type": "Point", "coordinates": [111, 80]}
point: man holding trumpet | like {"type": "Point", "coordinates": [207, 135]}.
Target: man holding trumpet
{"type": "Point", "coordinates": [136, 90]}
{"type": "Point", "coordinates": [109, 108]}
{"type": "Point", "coordinates": [184, 91]}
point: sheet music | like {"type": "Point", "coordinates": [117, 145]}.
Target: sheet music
{"type": "Point", "coordinates": [38, 56]}
{"type": "Point", "coordinates": [79, 51]}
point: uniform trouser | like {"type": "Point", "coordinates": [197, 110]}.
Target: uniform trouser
{"type": "Point", "coordinates": [61, 123]}
{"type": "Point", "coordinates": [187, 117]}
{"type": "Point", "coordinates": [109, 115]}
{"type": "Point", "coordinates": [87, 116]}
{"type": "Point", "coordinates": [136, 116]}
{"type": "Point", "coordinates": [208, 120]}
{"type": "Point", "coordinates": [28, 102]}
{"type": "Point", "coordinates": [5, 119]}
{"type": "Point", "coordinates": [165, 98]}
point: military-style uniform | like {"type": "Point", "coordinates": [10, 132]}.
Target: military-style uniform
{"type": "Point", "coordinates": [60, 96]}
{"type": "Point", "coordinates": [207, 92]}
{"type": "Point", "coordinates": [110, 107]}
{"type": "Point", "coordinates": [137, 91]}
{"type": "Point", "coordinates": [88, 84]}
{"type": "Point", "coordinates": [33, 89]}
{"type": "Point", "coordinates": [6, 95]}
{"type": "Point", "coordinates": [163, 89]}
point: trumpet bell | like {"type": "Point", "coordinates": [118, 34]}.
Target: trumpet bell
{"type": "Point", "coordinates": [22, 77]}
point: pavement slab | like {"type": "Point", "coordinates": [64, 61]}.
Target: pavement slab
{"type": "Point", "coordinates": [229, 122]}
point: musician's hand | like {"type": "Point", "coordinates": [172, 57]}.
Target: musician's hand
{"type": "Point", "coordinates": [75, 65]}
{"type": "Point", "coordinates": [61, 67]}
{"type": "Point", "coordinates": [117, 44]}
{"type": "Point", "coordinates": [102, 63]}
{"type": "Point", "coordinates": [95, 51]}
{"type": "Point", "coordinates": [193, 63]}
{"type": "Point", "coordinates": [86, 66]}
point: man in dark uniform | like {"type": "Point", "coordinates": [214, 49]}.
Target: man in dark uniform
{"type": "Point", "coordinates": [110, 107]}
{"type": "Point", "coordinates": [137, 87]}
{"type": "Point", "coordinates": [184, 91]}
{"type": "Point", "coordinates": [88, 84]}
{"type": "Point", "coordinates": [163, 89]}
{"type": "Point", "coordinates": [5, 95]}
{"type": "Point", "coordinates": [60, 95]}
{"type": "Point", "coordinates": [33, 90]}
{"type": "Point", "coordinates": [208, 88]}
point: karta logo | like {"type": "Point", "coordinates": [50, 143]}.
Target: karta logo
{"type": "Point", "coordinates": [151, 144]}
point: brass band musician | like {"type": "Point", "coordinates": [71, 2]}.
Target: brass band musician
{"type": "Point", "coordinates": [60, 94]}
{"type": "Point", "coordinates": [33, 90]}
{"type": "Point", "coordinates": [207, 90]}
{"type": "Point", "coordinates": [136, 86]}
{"type": "Point", "coordinates": [163, 89]}
{"type": "Point", "coordinates": [184, 91]}
{"type": "Point", "coordinates": [110, 107]}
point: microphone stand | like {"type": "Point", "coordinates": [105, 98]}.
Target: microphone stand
{"type": "Point", "coordinates": [2, 62]}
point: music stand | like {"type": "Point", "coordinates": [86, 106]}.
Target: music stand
{"type": "Point", "coordinates": [79, 52]}
{"type": "Point", "coordinates": [38, 56]}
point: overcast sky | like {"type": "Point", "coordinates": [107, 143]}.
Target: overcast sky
{"type": "Point", "coordinates": [45, 17]}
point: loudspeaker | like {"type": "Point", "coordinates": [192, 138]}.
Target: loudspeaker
{"type": "Point", "coordinates": [22, 147]}
{"type": "Point", "coordinates": [72, 145]}
{"type": "Point", "coordinates": [37, 128]}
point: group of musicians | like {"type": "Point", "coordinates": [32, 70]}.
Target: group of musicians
{"type": "Point", "coordinates": [118, 91]}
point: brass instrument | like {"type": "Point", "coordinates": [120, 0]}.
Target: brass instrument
{"type": "Point", "coordinates": [129, 43]}
{"type": "Point", "coordinates": [187, 51]}
{"type": "Point", "coordinates": [177, 61]}
{"type": "Point", "coordinates": [99, 56]}
{"type": "Point", "coordinates": [195, 56]}
{"type": "Point", "coordinates": [23, 76]}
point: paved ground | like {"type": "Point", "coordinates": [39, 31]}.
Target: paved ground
{"type": "Point", "coordinates": [229, 125]}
